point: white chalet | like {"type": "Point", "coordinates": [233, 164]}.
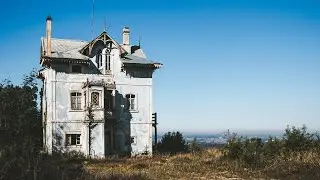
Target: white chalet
{"type": "Point", "coordinates": [114, 79]}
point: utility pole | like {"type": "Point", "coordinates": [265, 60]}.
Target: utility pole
{"type": "Point", "coordinates": [154, 124]}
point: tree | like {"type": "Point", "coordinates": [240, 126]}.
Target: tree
{"type": "Point", "coordinates": [20, 128]}
{"type": "Point", "coordinates": [172, 143]}
{"type": "Point", "coordinates": [91, 125]}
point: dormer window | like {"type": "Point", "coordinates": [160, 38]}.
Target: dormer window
{"type": "Point", "coordinates": [108, 64]}
{"type": "Point", "coordinates": [76, 69]}
{"type": "Point", "coordinates": [99, 59]}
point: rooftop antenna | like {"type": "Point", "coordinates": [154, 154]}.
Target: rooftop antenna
{"type": "Point", "coordinates": [92, 19]}
{"type": "Point", "coordinates": [104, 30]}
{"type": "Point", "coordinates": [105, 24]}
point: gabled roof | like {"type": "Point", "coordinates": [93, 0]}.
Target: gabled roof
{"type": "Point", "coordinates": [64, 48]}
{"type": "Point", "coordinates": [103, 36]}
{"type": "Point", "coordinates": [74, 50]}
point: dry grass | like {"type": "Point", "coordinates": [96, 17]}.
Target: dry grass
{"type": "Point", "coordinates": [208, 165]}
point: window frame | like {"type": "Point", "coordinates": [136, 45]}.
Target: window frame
{"type": "Point", "coordinates": [99, 97]}
{"type": "Point", "coordinates": [108, 61]}
{"type": "Point", "coordinates": [99, 59]}
{"type": "Point", "coordinates": [135, 100]}
{"type": "Point", "coordinates": [78, 95]}
{"type": "Point", "coordinates": [73, 137]}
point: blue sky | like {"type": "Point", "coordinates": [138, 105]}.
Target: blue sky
{"type": "Point", "coordinates": [228, 64]}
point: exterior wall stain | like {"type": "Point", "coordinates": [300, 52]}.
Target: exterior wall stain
{"type": "Point", "coordinates": [124, 131]}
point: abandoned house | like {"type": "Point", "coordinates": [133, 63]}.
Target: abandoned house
{"type": "Point", "coordinates": [112, 81]}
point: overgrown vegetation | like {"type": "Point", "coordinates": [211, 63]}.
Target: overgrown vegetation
{"type": "Point", "coordinates": [297, 152]}
{"type": "Point", "coordinates": [255, 153]}
{"type": "Point", "coordinates": [296, 155]}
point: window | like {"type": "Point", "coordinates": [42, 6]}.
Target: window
{"type": "Point", "coordinates": [75, 101]}
{"type": "Point", "coordinates": [99, 58]}
{"type": "Point", "coordinates": [108, 64]}
{"type": "Point", "coordinates": [95, 99]}
{"type": "Point", "coordinates": [72, 139]}
{"type": "Point", "coordinates": [76, 69]}
{"type": "Point", "coordinates": [131, 99]}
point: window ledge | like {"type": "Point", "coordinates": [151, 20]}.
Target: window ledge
{"type": "Point", "coordinates": [74, 146]}
{"type": "Point", "coordinates": [76, 110]}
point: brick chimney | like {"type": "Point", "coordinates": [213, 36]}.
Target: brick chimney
{"type": "Point", "coordinates": [126, 39]}
{"type": "Point", "coordinates": [48, 35]}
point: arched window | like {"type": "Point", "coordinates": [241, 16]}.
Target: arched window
{"type": "Point", "coordinates": [108, 61]}
{"type": "Point", "coordinates": [99, 58]}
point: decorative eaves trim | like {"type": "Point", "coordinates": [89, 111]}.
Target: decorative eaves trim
{"type": "Point", "coordinates": [110, 86]}
{"type": "Point", "coordinates": [154, 65]}
{"type": "Point", "coordinates": [68, 60]}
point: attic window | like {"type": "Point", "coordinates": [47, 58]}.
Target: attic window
{"type": "Point", "coordinates": [76, 69]}
{"type": "Point", "coordinates": [108, 64]}
{"type": "Point", "coordinates": [99, 59]}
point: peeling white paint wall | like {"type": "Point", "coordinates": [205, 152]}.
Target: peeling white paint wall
{"type": "Point", "coordinates": [61, 120]}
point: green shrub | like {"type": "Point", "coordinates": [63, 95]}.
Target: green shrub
{"type": "Point", "coordinates": [254, 153]}
{"type": "Point", "coordinates": [273, 147]}
{"type": "Point", "coordinates": [194, 147]}
{"type": "Point", "coordinates": [297, 139]}
{"type": "Point", "coordinates": [75, 155]}
{"type": "Point", "coordinates": [248, 151]}
{"type": "Point", "coordinates": [234, 148]}
{"type": "Point", "coordinates": [172, 143]}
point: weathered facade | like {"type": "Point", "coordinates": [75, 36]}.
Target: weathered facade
{"type": "Point", "coordinates": [114, 79]}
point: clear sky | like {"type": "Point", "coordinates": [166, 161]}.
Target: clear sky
{"type": "Point", "coordinates": [228, 64]}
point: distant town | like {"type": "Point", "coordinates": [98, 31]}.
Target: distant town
{"type": "Point", "coordinates": [217, 140]}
